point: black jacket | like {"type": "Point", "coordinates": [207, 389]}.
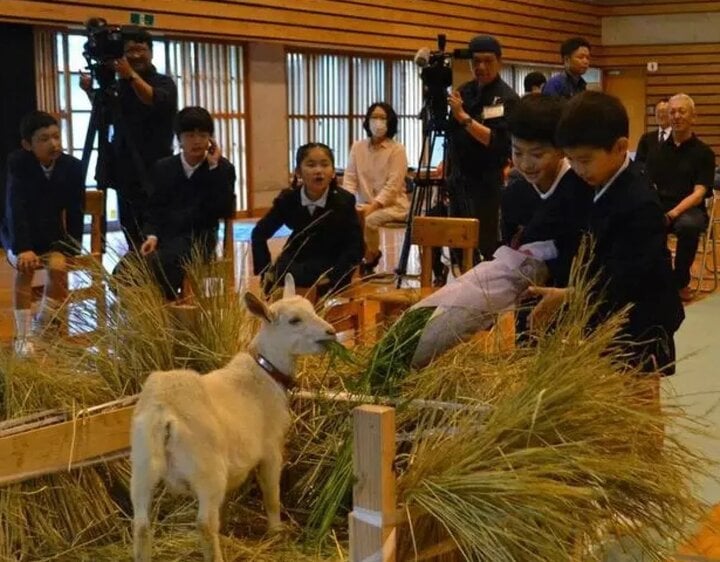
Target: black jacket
{"type": "Point", "coordinates": [34, 204]}
{"type": "Point", "coordinates": [632, 258]}
{"type": "Point", "coordinates": [468, 158]}
{"type": "Point", "coordinates": [562, 217]}
{"type": "Point", "coordinates": [647, 145]}
{"type": "Point", "coordinates": [147, 128]}
{"type": "Point", "coordinates": [180, 205]}
{"type": "Point", "coordinates": [331, 234]}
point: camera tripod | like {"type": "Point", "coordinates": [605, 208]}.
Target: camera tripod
{"type": "Point", "coordinates": [104, 104]}
{"type": "Point", "coordinates": [106, 113]}
{"type": "Point", "coordinates": [427, 189]}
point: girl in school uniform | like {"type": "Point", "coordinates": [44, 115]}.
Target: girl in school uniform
{"type": "Point", "coordinates": [326, 238]}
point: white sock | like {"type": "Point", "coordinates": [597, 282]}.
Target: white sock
{"type": "Point", "coordinates": [23, 323]}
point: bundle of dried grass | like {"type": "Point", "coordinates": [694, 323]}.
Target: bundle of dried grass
{"type": "Point", "coordinates": [65, 513]}
{"type": "Point", "coordinates": [557, 446]}
{"type": "Point", "coordinates": [570, 449]}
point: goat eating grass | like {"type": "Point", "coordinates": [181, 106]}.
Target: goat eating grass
{"type": "Point", "coordinates": [204, 434]}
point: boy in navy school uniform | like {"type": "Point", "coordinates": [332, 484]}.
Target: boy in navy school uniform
{"type": "Point", "coordinates": [541, 226]}
{"type": "Point", "coordinates": [627, 223]}
{"type": "Point", "coordinates": [193, 190]}
{"type": "Point", "coordinates": [42, 184]}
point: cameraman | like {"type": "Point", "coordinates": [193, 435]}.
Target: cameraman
{"type": "Point", "coordinates": [478, 141]}
{"type": "Point", "coordinates": [142, 123]}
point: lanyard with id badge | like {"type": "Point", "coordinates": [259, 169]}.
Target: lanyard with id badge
{"type": "Point", "coordinates": [495, 110]}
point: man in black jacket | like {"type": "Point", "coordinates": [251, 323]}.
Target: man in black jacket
{"type": "Point", "coordinates": [43, 184]}
{"type": "Point", "coordinates": [192, 192]}
{"type": "Point", "coordinates": [143, 129]}
{"type": "Point", "coordinates": [479, 143]}
{"type": "Point", "coordinates": [651, 141]}
{"type": "Point", "coordinates": [683, 170]}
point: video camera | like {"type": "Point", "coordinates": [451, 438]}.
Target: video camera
{"type": "Point", "coordinates": [105, 43]}
{"type": "Point", "coordinates": [436, 76]}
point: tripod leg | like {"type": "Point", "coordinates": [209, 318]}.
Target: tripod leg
{"type": "Point", "coordinates": [421, 197]}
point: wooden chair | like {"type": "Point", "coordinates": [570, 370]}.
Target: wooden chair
{"type": "Point", "coordinates": [429, 233]}
{"type": "Point", "coordinates": [707, 247]}
{"type": "Point", "coordinates": [90, 263]}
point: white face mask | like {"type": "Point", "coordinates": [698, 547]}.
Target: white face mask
{"type": "Point", "coordinates": [378, 127]}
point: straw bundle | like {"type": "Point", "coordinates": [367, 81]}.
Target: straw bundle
{"type": "Point", "coordinates": [559, 445]}
{"type": "Point", "coordinates": [65, 513]}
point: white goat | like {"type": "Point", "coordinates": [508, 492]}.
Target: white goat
{"type": "Point", "coordinates": [203, 434]}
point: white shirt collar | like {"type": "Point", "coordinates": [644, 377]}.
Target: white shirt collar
{"type": "Point", "coordinates": [187, 168]}
{"type": "Point", "coordinates": [49, 169]}
{"type": "Point", "coordinates": [605, 187]}
{"type": "Point", "coordinates": [305, 201]}
{"type": "Point", "coordinates": [564, 167]}
{"type": "Point", "coordinates": [667, 131]}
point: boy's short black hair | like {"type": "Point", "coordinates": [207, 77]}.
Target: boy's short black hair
{"type": "Point", "coordinates": [137, 34]}
{"type": "Point", "coordinates": [571, 45]}
{"type": "Point", "coordinates": [593, 119]}
{"type": "Point", "coordinates": [392, 119]}
{"type": "Point", "coordinates": [194, 118]}
{"type": "Point", "coordinates": [535, 118]}
{"type": "Point", "coordinates": [534, 79]}
{"type": "Point", "coordinates": [33, 121]}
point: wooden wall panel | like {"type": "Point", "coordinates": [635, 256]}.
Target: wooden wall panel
{"type": "Point", "coordinates": [690, 69]}
{"type": "Point", "coordinates": [530, 30]}
{"type": "Point", "coordinates": [658, 7]}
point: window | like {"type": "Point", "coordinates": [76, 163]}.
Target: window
{"type": "Point", "coordinates": [328, 96]}
{"type": "Point", "coordinates": [206, 74]}
{"type": "Point", "coordinates": [211, 75]}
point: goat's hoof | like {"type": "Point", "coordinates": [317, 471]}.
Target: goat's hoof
{"type": "Point", "coordinates": [275, 528]}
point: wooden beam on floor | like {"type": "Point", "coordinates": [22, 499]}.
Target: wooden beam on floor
{"type": "Point", "coordinates": [57, 445]}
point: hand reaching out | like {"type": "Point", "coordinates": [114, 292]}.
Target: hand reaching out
{"type": "Point", "coordinates": [551, 299]}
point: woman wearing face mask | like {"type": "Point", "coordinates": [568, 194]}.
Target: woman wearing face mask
{"type": "Point", "coordinates": [376, 175]}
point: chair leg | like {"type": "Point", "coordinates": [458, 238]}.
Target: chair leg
{"type": "Point", "coordinates": [708, 244]}
{"type": "Point", "coordinates": [714, 257]}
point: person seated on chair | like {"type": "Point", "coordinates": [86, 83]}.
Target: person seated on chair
{"type": "Point", "coordinates": [376, 175]}
{"type": "Point", "coordinates": [43, 220]}
{"type": "Point", "coordinates": [542, 216]}
{"type": "Point", "coordinates": [631, 260]}
{"type": "Point", "coordinates": [683, 170]}
{"type": "Point", "coordinates": [326, 238]}
{"type": "Point", "coordinates": [193, 190]}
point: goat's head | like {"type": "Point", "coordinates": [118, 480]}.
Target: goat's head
{"type": "Point", "coordinates": [290, 325]}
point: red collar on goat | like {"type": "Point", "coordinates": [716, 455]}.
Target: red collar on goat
{"type": "Point", "coordinates": [286, 381]}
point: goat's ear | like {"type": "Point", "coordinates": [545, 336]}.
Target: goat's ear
{"type": "Point", "coordinates": [289, 286]}
{"type": "Point", "coordinates": [257, 307]}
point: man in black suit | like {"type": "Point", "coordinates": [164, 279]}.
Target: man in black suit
{"type": "Point", "coordinates": [193, 190]}
{"type": "Point", "coordinates": [43, 184]}
{"type": "Point", "coordinates": [651, 140]}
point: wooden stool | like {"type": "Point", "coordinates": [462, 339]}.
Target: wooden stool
{"type": "Point", "coordinates": [429, 233]}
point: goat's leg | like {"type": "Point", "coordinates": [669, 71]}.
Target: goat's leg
{"type": "Point", "coordinates": [269, 478]}
{"type": "Point", "coordinates": [142, 485]}
{"type": "Point", "coordinates": [208, 520]}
